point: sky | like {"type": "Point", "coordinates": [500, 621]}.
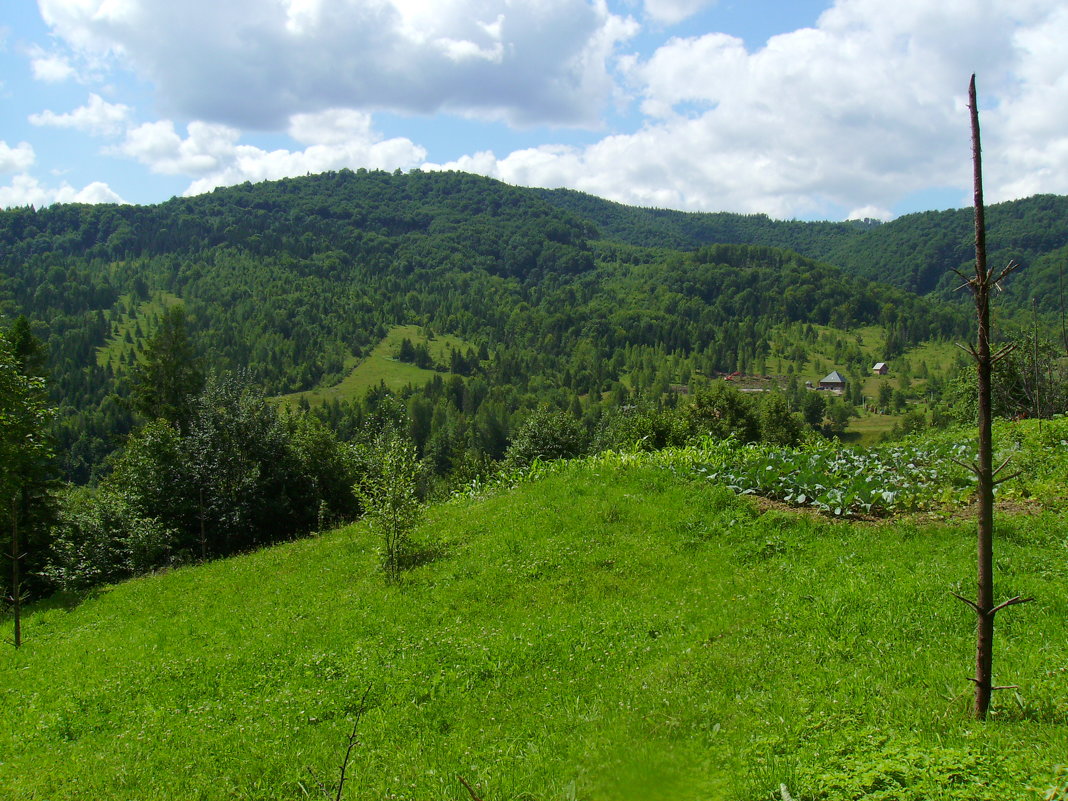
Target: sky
{"type": "Point", "coordinates": [799, 109]}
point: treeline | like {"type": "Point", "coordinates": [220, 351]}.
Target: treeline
{"type": "Point", "coordinates": [682, 230]}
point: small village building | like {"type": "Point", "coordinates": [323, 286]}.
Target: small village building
{"type": "Point", "coordinates": [834, 381]}
{"type": "Point", "coordinates": [880, 368]}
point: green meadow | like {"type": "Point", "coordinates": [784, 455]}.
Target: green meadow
{"type": "Point", "coordinates": [381, 366]}
{"type": "Point", "coordinates": [617, 628]}
{"type": "Point", "coordinates": [135, 322]}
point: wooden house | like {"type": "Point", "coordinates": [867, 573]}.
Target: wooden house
{"type": "Point", "coordinates": [834, 381]}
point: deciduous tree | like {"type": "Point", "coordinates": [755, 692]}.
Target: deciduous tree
{"type": "Point", "coordinates": [24, 462]}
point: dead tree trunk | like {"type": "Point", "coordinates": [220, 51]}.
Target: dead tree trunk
{"type": "Point", "coordinates": [16, 578]}
{"type": "Point", "coordinates": [981, 284]}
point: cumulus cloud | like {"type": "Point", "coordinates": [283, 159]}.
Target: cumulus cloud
{"type": "Point", "coordinates": [253, 64]}
{"type": "Point", "coordinates": [212, 154]}
{"type": "Point", "coordinates": [50, 67]}
{"type": "Point", "coordinates": [17, 158]}
{"type": "Point", "coordinates": [25, 190]}
{"type": "Point", "coordinates": [673, 11]}
{"type": "Point", "coordinates": [207, 148]}
{"type": "Point", "coordinates": [1027, 130]}
{"type": "Point", "coordinates": [96, 117]}
{"type": "Point", "coordinates": [846, 118]}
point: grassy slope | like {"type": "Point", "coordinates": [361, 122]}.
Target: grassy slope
{"type": "Point", "coordinates": [145, 313]}
{"type": "Point", "coordinates": [381, 365]}
{"type": "Point", "coordinates": [605, 633]}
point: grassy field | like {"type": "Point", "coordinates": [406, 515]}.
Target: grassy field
{"type": "Point", "coordinates": [381, 365]}
{"type": "Point", "coordinates": [869, 428]}
{"type": "Point", "coordinates": [135, 324]}
{"type": "Point", "coordinates": [611, 631]}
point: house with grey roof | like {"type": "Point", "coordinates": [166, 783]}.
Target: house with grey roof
{"type": "Point", "coordinates": [833, 381]}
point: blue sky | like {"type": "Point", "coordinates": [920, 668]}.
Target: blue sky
{"type": "Point", "coordinates": [793, 108]}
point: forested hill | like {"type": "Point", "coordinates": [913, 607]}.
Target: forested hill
{"type": "Point", "coordinates": [916, 252]}
{"type": "Point", "coordinates": [294, 281]}
{"type": "Point", "coordinates": [503, 227]}
{"type": "Point", "coordinates": [681, 230]}
{"type": "Point", "coordinates": [919, 251]}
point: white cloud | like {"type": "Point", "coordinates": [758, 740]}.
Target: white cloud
{"type": "Point", "coordinates": [869, 213]}
{"type": "Point", "coordinates": [206, 149]}
{"type": "Point", "coordinates": [50, 67]}
{"type": "Point", "coordinates": [17, 158]}
{"type": "Point", "coordinates": [846, 118]}
{"type": "Point", "coordinates": [1026, 131]}
{"type": "Point", "coordinates": [331, 127]}
{"type": "Point", "coordinates": [211, 154]}
{"type": "Point", "coordinates": [96, 117]}
{"type": "Point", "coordinates": [25, 190]}
{"type": "Point", "coordinates": [673, 11]}
{"type": "Point", "coordinates": [254, 64]}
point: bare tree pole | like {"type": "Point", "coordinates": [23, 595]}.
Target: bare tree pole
{"type": "Point", "coordinates": [352, 743]}
{"type": "Point", "coordinates": [1038, 376]}
{"type": "Point", "coordinates": [981, 284]}
{"type": "Point", "coordinates": [1060, 300]}
{"type": "Point", "coordinates": [469, 788]}
{"type": "Point", "coordinates": [16, 579]}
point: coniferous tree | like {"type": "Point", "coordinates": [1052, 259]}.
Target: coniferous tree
{"type": "Point", "coordinates": [168, 377]}
{"type": "Point", "coordinates": [25, 460]}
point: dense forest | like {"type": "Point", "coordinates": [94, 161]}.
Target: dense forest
{"type": "Point", "coordinates": [916, 252]}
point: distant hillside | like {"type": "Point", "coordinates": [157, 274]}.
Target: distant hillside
{"type": "Point", "coordinates": [680, 230]}
{"type": "Point", "coordinates": [916, 252]}
{"type": "Point", "coordinates": [295, 281]}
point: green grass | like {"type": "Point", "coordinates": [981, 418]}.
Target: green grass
{"type": "Point", "coordinates": [614, 630]}
{"type": "Point", "coordinates": [144, 314]}
{"type": "Point", "coordinates": [382, 366]}
{"type": "Point", "coordinates": [869, 428]}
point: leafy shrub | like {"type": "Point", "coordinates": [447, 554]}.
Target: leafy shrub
{"type": "Point", "coordinates": [547, 434]}
{"type": "Point", "coordinates": [721, 411]}
{"type": "Point", "coordinates": [241, 474]}
{"type": "Point", "coordinates": [389, 496]}
{"type": "Point", "coordinates": [101, 538]}
{"type": "Point", "coordinates": [642, 426]}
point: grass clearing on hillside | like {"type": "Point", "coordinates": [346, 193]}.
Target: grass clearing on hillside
{"type": "Point", "coordinates": [610, 631]}
{"type": "Point", "coordinates": [381, 366]}
{"type": "Point", "coordinates": [134, 328]}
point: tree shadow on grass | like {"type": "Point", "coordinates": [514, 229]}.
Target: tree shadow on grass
{"type": "Point", "coordinates": [419, 555]}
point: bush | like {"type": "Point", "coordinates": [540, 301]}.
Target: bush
{"type": "Point", "coordinates": [547, 434]}
{"type": "Point", "coordinates": [641, 427]}
{"type": "Point", "coordinates": [721, 411]}
{"type": "Point", "coordinates": [389, 494]}
{"type": "Point", "coordinates": [101, 538]}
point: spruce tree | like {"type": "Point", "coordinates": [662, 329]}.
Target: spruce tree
{"type": "Point", "coordinates": [168, 377]}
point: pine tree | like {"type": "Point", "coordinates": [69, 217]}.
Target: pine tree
{"type": "Point", "coordinates": [25, 460]}
{"type": "Point", "coordinates": [168, 377]}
